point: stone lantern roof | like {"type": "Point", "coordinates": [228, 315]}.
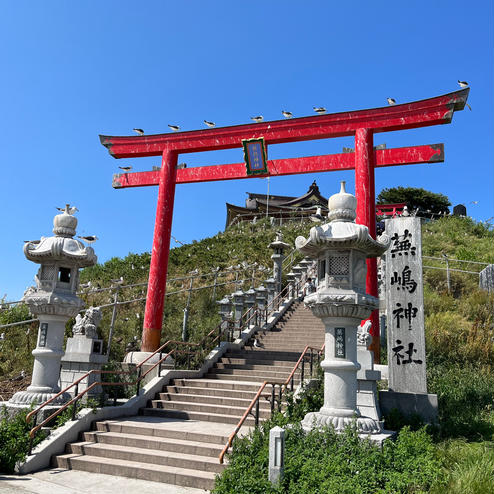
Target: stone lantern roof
{"type": "Point", "coordinates": [341, 232]}
{"type": "Point", "coordinates": [278, 243]}
{"type": "Point", "coordinates": [61, 247]}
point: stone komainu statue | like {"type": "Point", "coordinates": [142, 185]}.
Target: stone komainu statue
{"type": "Point", "coordinates": [88, 324]}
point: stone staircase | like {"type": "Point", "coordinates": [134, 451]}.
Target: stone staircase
{"type": "Point", "coordinates": [179, 435]}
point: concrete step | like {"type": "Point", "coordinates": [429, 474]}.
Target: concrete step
{"type": "Point", "coordinates": [259, 353]}
{"type": "Point", "coordinates": [261, 375]}
{"type": "Point", "coordinates": [211, 400]}
{"type": "Point", "coordinates": [253, 361]}
{"type": "Point", "coordinates": [170, 458]}
{"type": "Point", "coordinates": [160, 428]}
{"type": "Point", "coordinates": [265, 366]}
{"type": "Point", "coordinates": [134, 469]}
{"type": "Point", "coordinates": [246, 385]}
{"type": "Point", "coordinates": [233, 393]}
{"type": "Point", "coordinates": [232, 377]}
{"type": "Point", "coordinates": [154, 443]}
{"type": "Point", "coordinates": [190, 415]}
{"type": "Point", "coordinates": [216, 409]}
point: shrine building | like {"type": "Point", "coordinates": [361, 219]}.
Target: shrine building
{"type": "Point", "coordinates": [288, 208]}
{"type": "Point", "coordinates": [282, 208]}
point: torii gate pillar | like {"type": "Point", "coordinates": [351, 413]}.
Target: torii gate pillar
{"type": "Point", "coordinates": [159, 256]}
{"type": "Point", "coordinates": [366, 207]}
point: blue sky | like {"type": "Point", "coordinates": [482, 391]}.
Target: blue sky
{"type": "Point", "coordinates": [73, 70]}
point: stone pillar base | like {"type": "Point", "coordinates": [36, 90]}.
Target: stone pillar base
{"type": "Point", "coordinates": [28, 397]}
{"type": "Point", "coordinates": [137, 357]}
{"type": "Point", "coordinates": [317, 420]}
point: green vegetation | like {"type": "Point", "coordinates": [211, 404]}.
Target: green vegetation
{"type": "Point", "coordinates": [327, 462]}
{"type": "Point", "coordinates": [14, 440]}
{"type": "Point", "coordinates": [457, 457]}
{"type": "Point", "coordinates": [415, 198]}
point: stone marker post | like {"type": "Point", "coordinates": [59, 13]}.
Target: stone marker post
{"type": "Point", "coordinates": [405, 306]}
{"type": "Point", "coordinates": [486, 278]}
{"type": "Point", "coordinates": [276, 454]}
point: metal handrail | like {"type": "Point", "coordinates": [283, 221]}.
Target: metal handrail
{"type": "Point", "coordinates": [283, 387]}
{"type": "Point", "coordinates": [140, 375]}
{"type": "Point", "coordinates": [139, 379]}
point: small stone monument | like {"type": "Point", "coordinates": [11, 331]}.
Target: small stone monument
{"type": "Point", "coordinates": [405, 323]}
{"type": "Point", "coordinates": [84, 352]}
{"type": "Point", "coordinates": [405, 306]}
{"type": "Point", "coordinates": [486, 278]}
{"type": "Point", "coordinates": [54, 301]}
{"type": "Point", "coordinates": [341, 248]}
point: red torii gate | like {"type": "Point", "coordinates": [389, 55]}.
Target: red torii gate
{"type": "Point", "coordinates": [362, 124]}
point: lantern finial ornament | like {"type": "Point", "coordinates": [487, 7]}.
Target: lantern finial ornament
{"type": "Point", "coordinates": [342, 206]}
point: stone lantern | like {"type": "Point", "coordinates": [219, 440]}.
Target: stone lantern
{"type": "Point", "coordinates": [297, 270]}
{"type": "Point", "coordinates": [291, 284]}
{"type": "Point", "coordinates": [225, 312]}
{"type": "Point", "coordinates": [238, 307]}
{"type": "Point", "coordinates": [341, 248]}
{"type": "Point", "coordinates": [261, 297]}
{"type": "Point", "coordinates": [250, 300]}
{"type": "Point", "coordinates": [278, 247]}
{"type": "Point", "coordinates": [271, 288]}
{"type": "Point", "coordinates": [53, 301]}
{"type": "Point", "coordinates": [225, 308]}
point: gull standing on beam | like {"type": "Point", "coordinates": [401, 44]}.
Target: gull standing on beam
{"type": "Point", "coordinates": [320, 110]}
{"type": "Point", "coordinates": [391, 101]}
{"type": "Point", "coordinates": [257, 119]}
{"type": "Point", "coordinates": [175, 128]}
{"type": "Point", "coordinates": [462, 84]}
{"type": "Point", "coordinates": [210, 124]}
{"type": "Point", "coordinates": [139, 131]}
{"type": "Point", "coordinates": [287, 114]}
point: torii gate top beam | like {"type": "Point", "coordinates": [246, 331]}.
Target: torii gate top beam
{"type": "Point", "coordinates": [423, 113]}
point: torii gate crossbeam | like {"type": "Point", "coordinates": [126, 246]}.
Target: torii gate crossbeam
{"type": "Point", "coordinates": [362, 124]}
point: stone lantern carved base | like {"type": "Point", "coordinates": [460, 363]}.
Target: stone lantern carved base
{"type": "Point", "coordinates": [29, 397]}
{"type": "Point", "coordinates": [365, 425]}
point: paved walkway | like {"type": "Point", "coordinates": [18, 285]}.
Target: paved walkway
{"type": "Point", "coordinates": [57, 481]}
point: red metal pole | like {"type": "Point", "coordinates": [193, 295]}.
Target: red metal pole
{"type": "Point", "coordinates": [366, 215]}
{"type": "Point", "coordinates": [151, 333]}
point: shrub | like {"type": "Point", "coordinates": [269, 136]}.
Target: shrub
{"type": "Point", "coordinates": [14, 440]}
{"type": "Point", "coordinates": [323, 461]}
